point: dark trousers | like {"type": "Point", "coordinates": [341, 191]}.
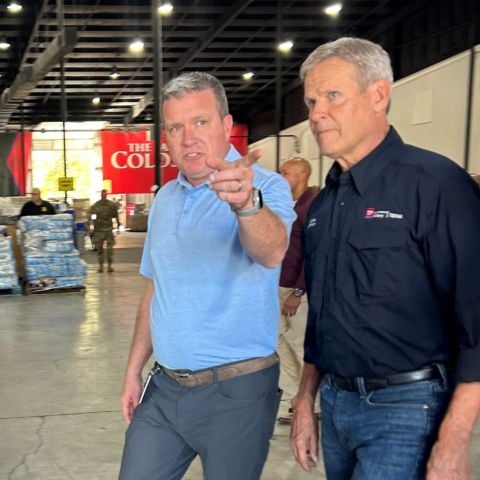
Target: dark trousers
{"type": "Point", "coordinates": [227, 423]}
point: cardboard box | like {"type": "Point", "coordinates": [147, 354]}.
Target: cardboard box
{"type": "Point", "coordinates": [17, 251]}
{"type": "Point", "coordinates": [137, 222]}
{"type": "Point", "coordinates": [80, 209]}
{"type": "Point", "coordinates": [10, 209]}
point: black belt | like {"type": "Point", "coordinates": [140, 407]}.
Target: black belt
{"type": "Point", "coordinates": [376, 383]}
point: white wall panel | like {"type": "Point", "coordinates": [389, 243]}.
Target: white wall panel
{"type": "Point", "coordinates": [474, 158]}
{"type": "Point", "coordinates": [429, 108]}
{"type": "Point", "coordinates": [296, 140]}
{"type": "Point", "coordinates": [267, 145]}
{"type": "Point", "coordinates": [304, 146]}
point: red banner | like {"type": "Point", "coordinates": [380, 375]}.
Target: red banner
{"type": "Point", "coordinates": [239, 138]}
{"type": "Point", "coordinates": [16, 155]}
{"type": "Point", "coordinates": [129, 162]}
{"type": "Point", "coordinates": [129, 159]}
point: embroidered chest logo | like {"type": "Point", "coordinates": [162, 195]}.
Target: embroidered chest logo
{"type": "Point", "coordinates": [372, 212]}
{"type": "Point", "coordinates": [311, 222]}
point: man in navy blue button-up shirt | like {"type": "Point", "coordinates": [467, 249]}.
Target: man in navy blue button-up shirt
{"type": "Point", "coordinates": [392, 274]}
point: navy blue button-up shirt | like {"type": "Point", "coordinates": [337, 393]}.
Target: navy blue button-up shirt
{"type": "Point", "coordinates": [392, 266]}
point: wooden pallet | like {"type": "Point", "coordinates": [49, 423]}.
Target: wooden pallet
{"type": "Point", "coordinates": [30, 291]}
{"type": "Point", "coordinates": [16, 291]}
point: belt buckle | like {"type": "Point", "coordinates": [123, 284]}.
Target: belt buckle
{"type": "Point", "coordinates": [183, 374]}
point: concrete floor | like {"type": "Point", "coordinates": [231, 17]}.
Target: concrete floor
{"type": "Point", "coordinates": [62, 358]}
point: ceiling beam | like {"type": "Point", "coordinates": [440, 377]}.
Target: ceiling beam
{"type": "Point", "coordinates": [28, 78]}
{"type": "Point", "coordinates": [34, 33]}
{"type": "Point", "coordinates": [203, 41]}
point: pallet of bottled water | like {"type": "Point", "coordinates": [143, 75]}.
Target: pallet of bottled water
{"type": "Point", "coordinates": [51, 260]}
{"type": "Point", "coordinates": [8, 272]}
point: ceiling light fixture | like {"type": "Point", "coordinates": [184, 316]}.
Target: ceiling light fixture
{"type": "Point", "coordinates": [114, 73]}
{"type": "Point", "coordinates": [136, 46]}
{"type": "Point", "coordinates": [96, 100]}
{"type": "Point", "coordinates": [4, 45]}
{"type": "Point", "coordinates": [285, 46]}
{"type": "Point", "coordinates": [247, 76]}
{"type": "Point", "coordinates": [166, 8]}
{"type": "Point", "coordinates": [14, 7]}
{"type": "Point", "coordinates": [333, 10]}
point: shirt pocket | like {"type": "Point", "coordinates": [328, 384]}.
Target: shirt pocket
{"type": "Point", "coordinates": [374, 260]}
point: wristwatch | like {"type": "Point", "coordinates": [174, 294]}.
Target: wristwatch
{"type": "Point", "coordinates": [298, 292]}
{"type": "Point", "coordinates": [257, 201]}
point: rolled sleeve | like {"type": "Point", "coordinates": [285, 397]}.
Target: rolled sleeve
{"type": "Point", "coordinates": [276, 195]}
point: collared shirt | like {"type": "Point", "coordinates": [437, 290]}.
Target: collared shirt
{"type": "Point", "coordinates": [291, 275]}
{"type": "Point", "coordinates": [212, 303]}
{"type": "Point", "coordinates": [392, 266]}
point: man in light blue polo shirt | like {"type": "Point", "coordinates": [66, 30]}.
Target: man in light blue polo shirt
{"type": "Point", "coordinates": [216, 237]}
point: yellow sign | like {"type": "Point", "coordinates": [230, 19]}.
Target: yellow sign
{"type": "Point", "coordinates": [65, 184]}
{"type": "Point", "coordinates": [107, 184]}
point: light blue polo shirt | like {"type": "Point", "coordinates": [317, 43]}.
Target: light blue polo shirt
{"type": "Point", "coordinates": [212, 302]}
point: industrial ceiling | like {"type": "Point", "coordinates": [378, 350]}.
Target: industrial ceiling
{"type": "Point", "coordinates": [226, 38]}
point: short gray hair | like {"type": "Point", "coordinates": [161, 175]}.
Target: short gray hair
{"type": "Point", "coordinates": [372, 62]}
{"type": "Point", "coordinates": [192, 82]}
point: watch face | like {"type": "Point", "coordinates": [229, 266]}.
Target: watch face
{"type": "Point", "coordinates": [260, 198]}
{"type": "Point", "coordinates": [257, 198]}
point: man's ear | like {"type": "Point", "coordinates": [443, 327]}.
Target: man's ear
{"type": "Point", "coordinates": [227, 123]}
{"type": "Point", "coordinates": [380, 94]}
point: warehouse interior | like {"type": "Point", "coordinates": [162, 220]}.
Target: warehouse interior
{"type": "Point", "coordinates": [69, 62]}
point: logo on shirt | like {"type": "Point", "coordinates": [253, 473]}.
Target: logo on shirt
{"type": "Point", "coordinates": [312, 222]}
{"type": "Point", "coordinates": [372, 212]}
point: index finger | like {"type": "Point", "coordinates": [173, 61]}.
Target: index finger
{"type": "Point", "coordinates": [249, 159]}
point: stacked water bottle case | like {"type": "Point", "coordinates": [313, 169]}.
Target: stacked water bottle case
{"type": "Point", "coordinates": [51, 260]}
{"type": "Point", "coordinates": [8, 271]}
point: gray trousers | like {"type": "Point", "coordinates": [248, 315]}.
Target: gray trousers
{"type": "Point", "coordinates": [227, 423]}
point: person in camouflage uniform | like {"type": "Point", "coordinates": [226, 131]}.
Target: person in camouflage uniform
{"type": "Point", "coordinates": [102, 213]}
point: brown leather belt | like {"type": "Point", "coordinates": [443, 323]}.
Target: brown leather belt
{"type": "Point", "coordinates": [352, 384]}
{"type": "Point", "coordinates": [197, 378]}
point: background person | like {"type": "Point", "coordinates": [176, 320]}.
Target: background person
{"type": "Point", "coordinates": [215, 240]}
{"type": "Point", "coordinates": [37, 206]}
{"type": "Point", "coordinates": [293, 301]}
{"type": "Point", "coordinates": [392, 273]}
{"type": "Point", "coordinates": [101, 215]}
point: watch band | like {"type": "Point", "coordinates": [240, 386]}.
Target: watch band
{"type": "Point", "coordinates": [257, 201]}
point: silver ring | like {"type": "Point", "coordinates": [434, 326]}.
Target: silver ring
{"type": "Point", "coordinates": [240, 186]}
